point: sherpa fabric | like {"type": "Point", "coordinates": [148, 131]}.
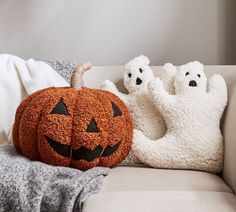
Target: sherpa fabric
{"type": "Point", "coordinates": [81, 128]}
{"type": "Point", "coordinates": [19, 78]}
{"type": "Point", "coordinates": [192, 115]}
{"type": "Point", "coordinates": [34, 186]}
{"type": "Point", "coordinates": [144, 114]}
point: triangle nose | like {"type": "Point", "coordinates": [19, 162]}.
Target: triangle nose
{"type": "Point", "coordinates": [92, 127]}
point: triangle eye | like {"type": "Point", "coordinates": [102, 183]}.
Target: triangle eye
{"type": "Point", "coordinates": [116, 110]}
{"type": "Point", "coordinates": [60, 108]}
{"type": "Point", "coordinates": [92, 127]}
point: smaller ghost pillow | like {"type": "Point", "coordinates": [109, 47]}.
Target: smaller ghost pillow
{"type": "Point", "coordinates": [193, 140]}
{"type": "Point", "coordinates": [140, 103]}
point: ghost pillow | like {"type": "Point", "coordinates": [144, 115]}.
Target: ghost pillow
{"type": "Point", "coordinates": [193, 139]}
{"type": "Point", "coordinates": [145, 115]}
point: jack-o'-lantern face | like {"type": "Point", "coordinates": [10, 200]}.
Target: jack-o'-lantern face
{"type": "Point", "coordinates": [78, 128]}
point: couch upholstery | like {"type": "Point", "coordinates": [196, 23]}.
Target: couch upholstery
{"type": "Point", "coordinates": [141, 188]}
{"type": "Point", "coordinates": [148, 189]}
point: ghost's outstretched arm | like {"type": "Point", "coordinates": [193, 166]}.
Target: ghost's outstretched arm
{"type": "Point", "coordinates": [168, 77]}
{"type": "Point", "coordinates": [162, 99]}
{"type": "Point", "coordinates": [110, 86]}
{"type": "Point", "coordinates": [218, 90]}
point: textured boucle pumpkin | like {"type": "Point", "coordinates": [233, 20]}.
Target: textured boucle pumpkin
{"type": "Point", "coordinates": [77, 127]}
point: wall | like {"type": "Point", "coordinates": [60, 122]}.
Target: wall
{"type": "Point", "coordinates": [110, 32]}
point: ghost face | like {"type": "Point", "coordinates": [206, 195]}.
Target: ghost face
{"type": "Point", "coordinates": [191, 78]}
{"type": "Point", "coordinates": [137, 76]}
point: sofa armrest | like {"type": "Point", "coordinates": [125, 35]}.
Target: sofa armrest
{"type": "Point", "coordinates": [229, 131]}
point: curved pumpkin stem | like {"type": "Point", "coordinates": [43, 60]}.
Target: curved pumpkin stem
{"type": "Point", "coordinates": [77, 75]}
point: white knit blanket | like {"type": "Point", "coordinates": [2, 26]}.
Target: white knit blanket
{"type": "Point", "coordinates": [19, 78]}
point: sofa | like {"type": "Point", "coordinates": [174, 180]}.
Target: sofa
{"type": "Point", "coordinates": [142, 188]}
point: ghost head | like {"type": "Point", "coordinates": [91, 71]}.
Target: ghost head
{"type": "Point", "coordinates": [190, 78]}
{"type": "Point", "coordinates": [137, 74]}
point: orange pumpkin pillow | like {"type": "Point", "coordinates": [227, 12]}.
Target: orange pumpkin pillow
{"type": "Point", "coordinates": [77, 127]}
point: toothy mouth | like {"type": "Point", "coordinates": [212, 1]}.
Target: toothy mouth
{"type": "Point", "coordinates": [82, 153]}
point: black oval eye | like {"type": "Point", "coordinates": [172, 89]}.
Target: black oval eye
{"type": "Point", "coordinates": [129, 75]}
{"type": "Point", "coordinates": [140, 70]}
{"type": "Point", "coordinates": [199, 75]}
{"type": "Point", "coordinates": [60, 108]}
{"type": "Point", "coordinates": [187, 73]}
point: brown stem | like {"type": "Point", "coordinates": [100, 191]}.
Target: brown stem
{"type": "Point", "coordinates": [77, 75]}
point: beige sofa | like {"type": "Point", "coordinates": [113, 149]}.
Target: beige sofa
{"type": "Point", "coordinates": [141, 188]}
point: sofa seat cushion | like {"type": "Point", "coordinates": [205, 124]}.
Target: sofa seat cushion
{"type": "Point", "coordinates": [147, 189]}
{"type": "Point", "coordinates": [167, 201]}
{"type": "Point", "coordinates": [124, 178]}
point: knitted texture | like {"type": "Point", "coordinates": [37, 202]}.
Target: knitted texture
{"type": "Point", "coordinates": [64, 68]}
{"type": "Point", "coordinates": [192, 115]}
{"type": "Point", "coordinates": [144, 114]}
{"type": "Point", "coordinates": [34, 186]}
{"type": "Point", "coordinates": [68, 127]}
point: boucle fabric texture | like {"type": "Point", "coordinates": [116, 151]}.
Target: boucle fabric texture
{"type": "Point", "coordinates": [144, 114]}
{"type": "Point", "coordinates": [193, 139]}
{"type": "Point", "coordinates": [34, 186]}
{"type": "Point", "coordinates": [81, 128]}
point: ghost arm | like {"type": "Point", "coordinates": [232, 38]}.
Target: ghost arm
{"type": "Point", "coordinates": [218, 90]}
{"type": "Point", "coordinates": [162, 99]}
{"type": "Point", "coordinates": [168, 77]}
{"type": "Point", "coordinates": [110, 86]}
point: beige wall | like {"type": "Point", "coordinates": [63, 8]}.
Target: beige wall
{"type": "Point", "coordinates": [110, 32]}
{"type": "Point", "coordinates": [233, 11]}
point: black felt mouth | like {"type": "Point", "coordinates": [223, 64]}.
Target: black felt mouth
{"type": "Point", "coordinates": [61, 149]}
{"type": "Point", "coordinates": [108, 151]}
{"type": "Point", "coordinates": [138, 81]}
{"type": "Point", "coordinates": [192, 83]}
{"type": "Point", "coordinates": [82, 153]}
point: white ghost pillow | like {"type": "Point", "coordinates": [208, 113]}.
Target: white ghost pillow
{"type": "Point", "coordinates": [193, 139]}
{"type": "Point", "coordinates": [145, 115]}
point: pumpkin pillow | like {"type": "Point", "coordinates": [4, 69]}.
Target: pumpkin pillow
{"type": "Point", "coordinates": [73, 126]}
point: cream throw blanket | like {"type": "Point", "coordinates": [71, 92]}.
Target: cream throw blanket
{"type": "Point", "coordinates": [19, 78]}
